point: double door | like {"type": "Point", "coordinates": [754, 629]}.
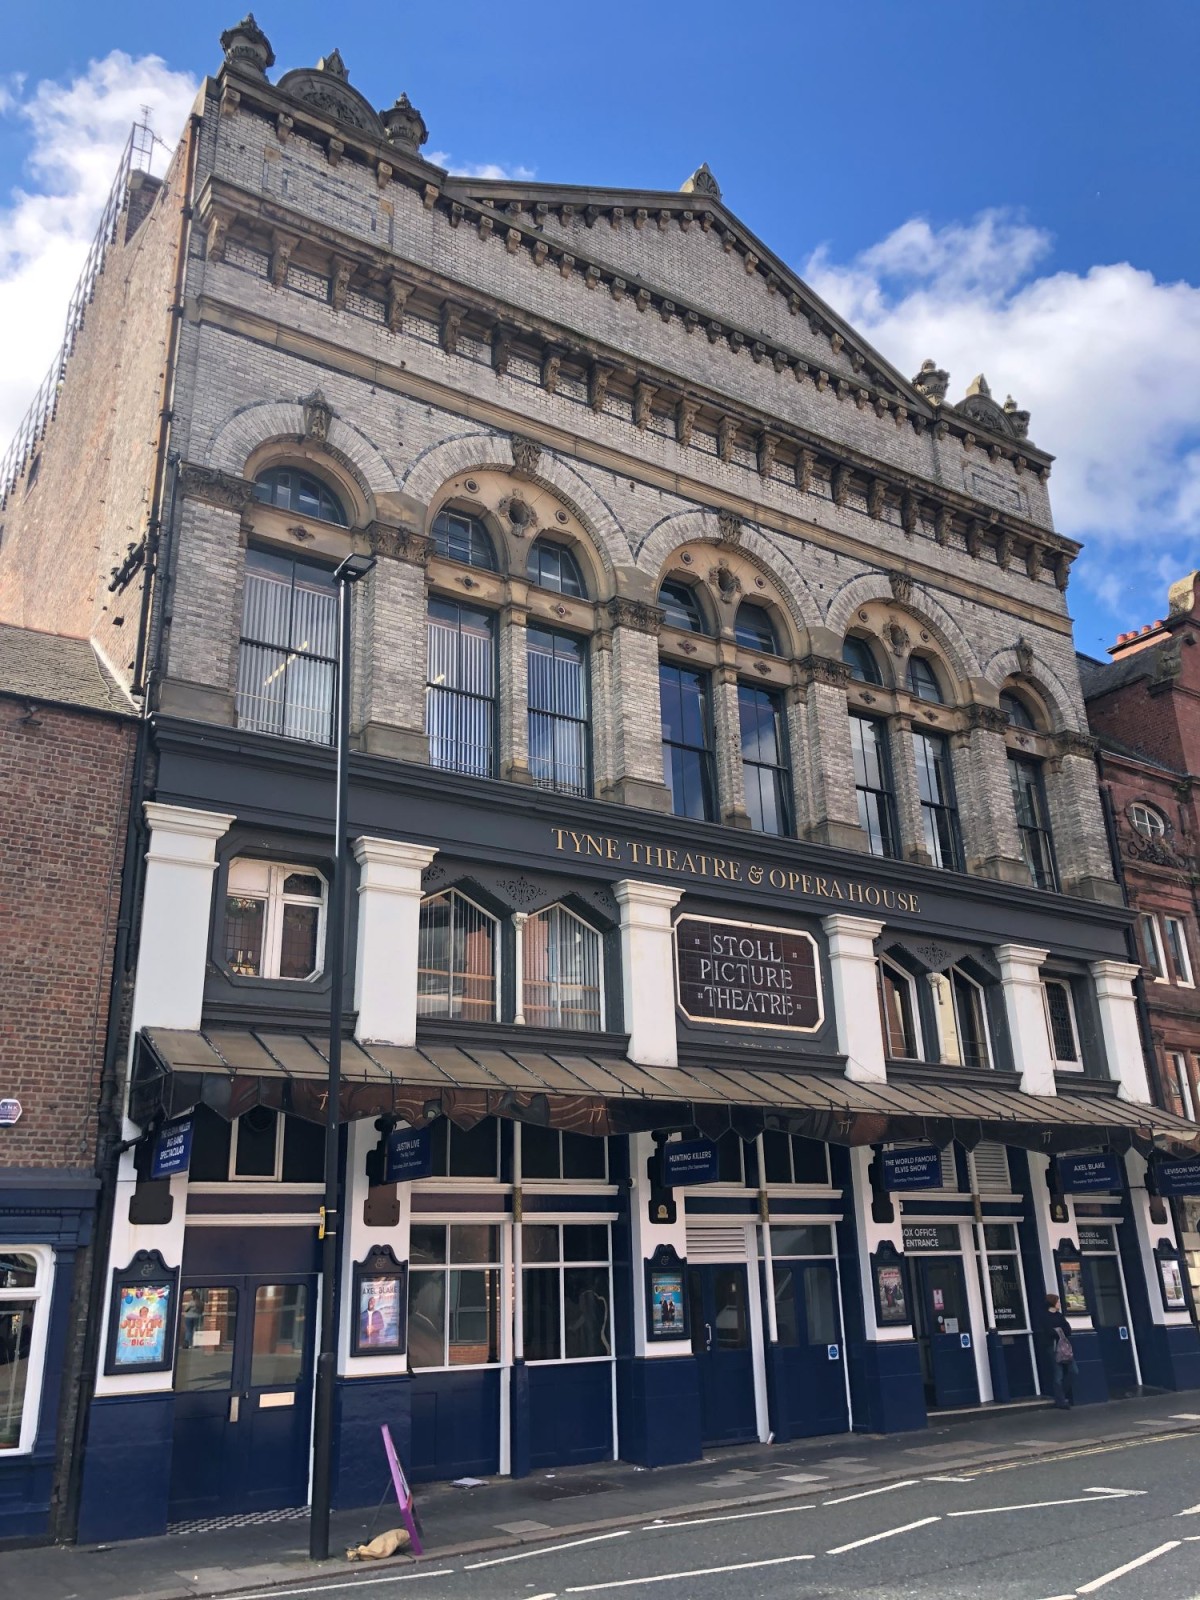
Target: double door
{"type": "Point", "coordinates": [719, 1310]}
{"type": "Point", "coordinates": [243, 1394]}
{"type": "Point", "coordinates": [943, 1328]}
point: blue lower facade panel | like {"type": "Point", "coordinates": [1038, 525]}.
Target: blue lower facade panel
{"type": "Point", "coordinates": [455, 1424]}
{"type": "Point", "coordinates": [127, 1469]}
{"type": "Point", "coordinates": [361, 1407]}
{"type": "Point", "coordinates": [658, 1410]}
{"type": "Point", "coordinates": [888, 1389]}
{"type": "Point", "coordinates": [806, 1391]}
{"type": "Point", "coordinates": [1171, 1357]}
{"type": "Point", "coordinates": [569, 1413]}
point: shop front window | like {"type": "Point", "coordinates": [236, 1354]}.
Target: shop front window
{"type": "Point", "coordinates": [566, 1291]}
{"type": "Point", "coordinates": [24, 1281]}
{"type": "Point", "coordinates": [453, 1295]}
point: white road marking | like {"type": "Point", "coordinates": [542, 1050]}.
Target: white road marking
{"type": "Point", "coordinates": [1190, 1511]}
{"type": "Point", "coordinates": [1093, 1497]}
{"type": "Point", "coordinates": [352, 1583]}
{"type": "Point", "coordinates": [1130, 1566]}
{"type": "Point", "coordinates": [864, 1494]}
{"type": "Point", "coordinates": [946, 1478]}
{"type": "Point", "coordinates": [1184, 1416]}
{"type": "Point", "coordinates": [874, 1538]}
{"type": "Point", "coordinates": [699, 1572]}
{"type": "Point", "coordinates": [1100, 1489]}
{"type": "Point", "coordinates": [734, 1516]}
{"type": "Point", "coordinates": [545, 1550]}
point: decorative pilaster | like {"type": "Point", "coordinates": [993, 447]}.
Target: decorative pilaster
{"type": "Point", "coordinates": [389, 915]}
{"type": "Point", "coordinates": [648, 969]}
{"type": "Point", "coordinates": [1025, 1011]}
{"type": "Point", "coordinates": [636, 762]}
{"type": "Point", "coordinates": [854, 994]}
{"type": "Point", "coordinates": [731, 777]}
{"type": "Point", "coordinates": [1118, 1025]}
{"type": "Point", "coordinates": [514, 696]}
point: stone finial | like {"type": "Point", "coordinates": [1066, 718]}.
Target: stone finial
{"type": "Point", "coordinates": [932, 382]}
{"type": "Point", "coordinates": [1018, 420]}
{"type": "Point", "coordinates": [318, 414]}
{"type": "Point", "coordinates": [702, 182]}
{"type": "Point", "coordinates": [404, 125]}
{"type": "Point", "coordinates": [1181, 596]}
{"type": "Point", "coordinates": [980, 385]}
{"type": "Point", "coordinates": [247, 46]}
{"type": "Point", "coordinates": [334, 66]}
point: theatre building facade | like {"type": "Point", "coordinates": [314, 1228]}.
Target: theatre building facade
{"type": "Point", "coordinates": [742, 1040]}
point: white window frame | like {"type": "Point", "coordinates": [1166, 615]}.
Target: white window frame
{"type": "Point", "coordinates": [897, 971]}
{"type": "Point", "coordinates": [1155, 823]}
{"type": "Point", "coordinates": [604, 1183]}
{"type": "Point", "coordinates": [258, 1177]}
{"type": "Point", "coordinates": [943, 999]}
{"type": "Point", "coordinates": [1181, 956]}
{"type": "Point", "coordinates": [1183, 1082]}
{"type": "Point", "coordinates": [561, 1266]}
{"type": "Point", "coordinates": [264, 880]}
{"type": "Point", "coordinates": [41, 1295]}
{"type": "Point", "coordinates": [793, 1182]}
{"type": "Point", "coordinates": [527, 983]}
{"type": "Point", "coordinates": [1150, 918]}
{"type": "Point", "coordinates": [502, 1266]}
{"type": "Point", "coordinates": [497, 954]}
{"type": "Point", "coordinates": [1063, 1066]}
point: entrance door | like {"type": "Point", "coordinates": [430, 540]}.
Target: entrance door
{"type": "Point", "coordinates": [810, 1340]}
{"type": "Point", "coordinates": [243, 1395]}
{"type": "Point", "coordinates": [718, 1301]}
{"type": "Point", "coordinates": [1110, 1318]}
{"type": "Point", "coordinates": [943, 1322]}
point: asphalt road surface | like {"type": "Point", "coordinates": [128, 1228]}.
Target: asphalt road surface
{"type": "Point", "coordinates": [1120, 1522]}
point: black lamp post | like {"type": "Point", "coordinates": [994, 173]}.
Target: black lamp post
{"type": "Point", "coordinates": [347, 575]}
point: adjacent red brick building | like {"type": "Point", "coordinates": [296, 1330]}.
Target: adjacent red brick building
{"type": "Point", "coordinates": [67, 746]}
{"type": "Point", "coordinates": [1144, 707]}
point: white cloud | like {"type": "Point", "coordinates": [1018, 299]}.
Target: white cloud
{"type": "Point", "coordinates": [1107, 362]}
{"type": "Point", "coordinates": [76, 132]}
{"type": "Point", "coordinates": [481, 169]}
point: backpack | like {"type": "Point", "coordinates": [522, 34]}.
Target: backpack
{"type": "Point", "coordinates": [1064, 1350]}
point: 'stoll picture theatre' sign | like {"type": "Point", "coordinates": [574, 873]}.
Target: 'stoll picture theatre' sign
{"type": "Point", "coordinates": [747, 975]}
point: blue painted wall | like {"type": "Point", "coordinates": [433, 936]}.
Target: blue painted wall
{"type": "Point", "coordinates": [127, 1469]}
{"type": "Point", "coordinates": [455, 1424]}
{"type": "Point", "coordinates": [658, 1410]}
{"type": "Point", "coordinates": [360, 1408]}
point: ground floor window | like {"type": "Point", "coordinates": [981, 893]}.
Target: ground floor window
{"type": "Point", "coordinates": [566, 1291]}
{"type": "Point", "coordinates": [24, 1305]}
{"type": "Point", "coordinates": [453, 1295]}
{"type": "Point", "coordinates": [805, 1289]}
{"type": "Point", "coordinates": [1004, 1277]}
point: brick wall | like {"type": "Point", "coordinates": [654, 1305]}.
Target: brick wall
{"type": "Point", "coordinates": [64, 783]}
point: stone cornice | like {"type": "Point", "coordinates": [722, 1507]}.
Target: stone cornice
{"type": "Point", "coordinates": [395, 543]}
{"type": "Point", "coordinates": [822, 669]}
{"type": "Point", "coordinates": [214, 488]}
{"type": "Point", "coordinates": [637, 615]}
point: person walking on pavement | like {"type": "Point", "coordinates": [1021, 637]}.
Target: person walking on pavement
{"type": "Point", "coordinates": [1062, 1354]}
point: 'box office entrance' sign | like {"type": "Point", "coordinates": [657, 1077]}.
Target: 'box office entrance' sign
{"type": "Point", "coordinates": [743, 973]}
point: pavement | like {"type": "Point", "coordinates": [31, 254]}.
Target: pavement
{"type": "Point", "coordinates": [582, 1503]}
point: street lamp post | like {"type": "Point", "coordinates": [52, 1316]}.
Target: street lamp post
{"type": "Point", "coordinates": [347, 575]}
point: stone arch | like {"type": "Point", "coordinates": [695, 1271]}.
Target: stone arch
{"type": "Point", "coordinates": [703, 527]}
{"type": "Point", "coordinates": [1059, 700]}
{"type": "Point", "coordinates": [236, 440]}
{"type": "Point", "coordinates": [922, 604]}
{"type": "Point", "coordinates": [468, 452]}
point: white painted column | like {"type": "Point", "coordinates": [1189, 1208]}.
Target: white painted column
{"type": "Point", "coordinates": [389, 917]}
{"type": "Point", "coordinates": [1025, 1009]}
{"type": "Point", "coordinates": [168, 992]}
{"type": "Point", "coordinates": [1149, 1236]}
{"type": "Point", "coordinates": [855, 986]}
{"type": "Point", "coordinates": [1050, 1233]}
{"type": "Point", "coordinates": [648, 970]}
{"type": "Point", "coordinates": [519, 919]}
{"type": "Point", "coordinates": [869, 1236]}
{"type": "Point", "coordinates": [1118, 1024]}
{"type": "Point", "coordinates": [977, 1312]}
{"type": "Point", "coordinates": [645, 1240]}
{"type": "Point", "coordinates": [362, 1136]}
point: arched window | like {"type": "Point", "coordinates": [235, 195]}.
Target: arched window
{"type": "Point", "coordinates": [456, 959]}
{"type": "Point", "coordinates": [1150, 823]}
{"type": "Point", "coordinates": [873, 783]}
{"type": "Point", "coordinates": [898, 1007]}
{"type": "Point", "coordinates": [961, 1018]}
{"type": "Point", "coordinates": [765, 775]}
{"type": "Point", "coordinates": [460, 537]}
{"type": "Point", "coordinates": [460, 696]}
{"type": "Point", "coordinates": [274, 920]}
{"type": "Point", "coordinates": [682, 608]}
{"type": "Point", "coordinates": [292, 490]}
{"type": "Point", "coordinates": [553, 566]}
{"type": "Point", "coordinates": [922, 680]}
{"type": "Point", "coordinates": [689, 757]}
{"type": "Point", "coordinates": [1016, 713]}
{"type": "Point", "coordinates": [754, 630]}
{"type": "Point", "coordinates": [860, 658]}
{"type": "Point", "coordinates": [562, 972]}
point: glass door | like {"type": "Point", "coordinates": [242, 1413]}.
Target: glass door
{"type": "Point", "coordinates": [1106, 1303]}
{"type": "Point", "coordinates": [718, 1302]}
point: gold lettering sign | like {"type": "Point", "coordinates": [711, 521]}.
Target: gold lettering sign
{"type": "Point", "coordinates": [833, 888]}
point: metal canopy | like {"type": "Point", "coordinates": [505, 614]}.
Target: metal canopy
{"type": "Point", "coordinates": [230, 1070]}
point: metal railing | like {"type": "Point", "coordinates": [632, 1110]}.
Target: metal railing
{"type": "Point", "coordinates": [139, 147]}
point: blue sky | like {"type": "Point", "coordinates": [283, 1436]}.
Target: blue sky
{"type": "Point", "coordinates": [1013, 189]}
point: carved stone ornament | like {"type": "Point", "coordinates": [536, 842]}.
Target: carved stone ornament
{"type": "Point", "coordinates": [932, 382]}
{"type": "Point", "coordinates": [979, 407]}
{"type": "Point", "coordinates": [404, 126]}
{"type": "Point", "coordinates": [1018, 420]}
{"type": "Point", "coordinates": [726, 437]}
{"type": "Point", "coordinates": [216, 235]}
{"type": "Point", "coordinates": [805, 462]}
{"type": "Point", "coordinates": [398, 544]}
{"type": "Point", "coordinates": [1024, 653]}
{"type": "Point", "coordinates": [701, 182]}
{"type": "Point", "coordinates": [974, 537]}
{"type": "Point", "coordinates": [318, 414]}
{"type": "Point", "coordinates": [934, 957]}
{"type": "Point", "coordinates": [1068, 742]}
{"type": "Point", "coordinates": [451, 326]}
{"type": "Point", "coordinates": [643, 399]}
{"type": "Point", "coordinates": [551, 367]}
{"type": "Point", "coordinates": [839, 486]}
{"type": "Point", "coordinates": [326, 90]}
{"type": "Point", "coordinates": [518, 513]}
{"type": "Point", "coordinates": [898, 639]}
{"type": "Point", "coordinates": [398, 293]}
{"type": "Point", "coordinates": [598, 380]}
{"type": "Point", "coordinates": [941, 525]}
{"type": "Point", "coordinates": [502, 344]}
{"type": "Point", "coordinates": [725, 582]}
{"type": "Point", "coordinates": [685, 419]}
{"type": "Point", "coordinates": [635, 615]}
{"type": "Point", "coordinates": [282, 245]}
{"type": "Point", "coordinates": [526, 454]}
{"type": "Point", "coordinates": [910, 511]}
{"type": "Point", "coordinates": [823, 669]}
{"type": "Point", "coordinates": [876, 498]}
{"type": "Point", "coordinates": [767, 446]}
{"type": "Point", "coordinates": [215, 488]}
{"type": "Point", "coordinates": [729, 528]}
{"type": "Point", "coordinates": [902, 587]}
{"type": "Point", "coordinates": [1062, 570]}
{"type": "Point", "coordinates": [990, 718]}
{"type": "Point", "coordinates": [247, 46]}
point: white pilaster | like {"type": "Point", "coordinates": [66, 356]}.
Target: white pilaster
{"type": "Point", "coordinates": [357, 1239]}
{"type": "Point", "coordinates": [1118, 1024]}
{"type": "Point", "coordinates": [855, 993]}
{"type": "Point", "coordinates": [389, 918]}
{"type": "Point", "coordinates": [645, 1240]}
{"type": "Point", "coordinates": [1050, 1233]}
{"type": "Point", "coordinates": [648, 970]}
{"type": "Point", "coordinates": [869, 1236]}
{"type": "Point", "coordinates": [1025, 1009]}
{"type": "Point", "coordinates": [1149, 1236]}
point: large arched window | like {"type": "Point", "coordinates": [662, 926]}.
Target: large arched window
{"type": "Point", "coordinates": [754, 629]}
{"type": "Point", "coordinates": [922, 680]}
{"type": "Point", "coordinates": [292, 490]}
{"type": "Point", "coordinates": [898, 1008]}
{"type": "Point", "coordinates": [682, 608]}
{"type": "Point", "coordinates": [456, 959]}
{"type": "Point", "coordinates": [562, 960]}
{"type": "Point", "coordinates": [460, 537]}
{"type": "Point", "coordinates": [1016, 713]}
{"type": "Point", "coordinates": [559, 730]}
{"type": "Point", "coordinates": [553, 566]}
{"type": "Point", "coordinates": [860, 658]}
{"type": "Point", "coordinates": [689, 762]}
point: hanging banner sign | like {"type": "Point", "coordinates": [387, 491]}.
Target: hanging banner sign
{"type": "Point", "coordinates": [912, 1169]}
{"type": "Point", "coordinates": [754, 977]}
{"type": "Point", "coordinates": [173, 1152]}
{"type": "Point", "coordinates": [689, 1161]}
{"type": "Point", "coordinates": [1084, 1174]}
{"type": "Point", "coordinates": [409, 1155]}
{"type": "Point", "coordinates": [1177, 1177]}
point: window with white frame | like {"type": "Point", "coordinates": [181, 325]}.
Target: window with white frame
{"type": "Point", "coordinates": [1152, 946]}
{"type": "Point", "coordinates": [790, 1158]}
{"type": "Point", "coordinates": [547, 1154]}
{"type": "Point", "coordinates": [961, 1012]}
{"type": "Point", "coordinates": [453, 1295]}
{"type": "Point", "coordinates": [1060, 1021]}
{"type": "Point", "coordinates": [566, 1291]}
{"type": "Point", "coordinates": [898, 1008]}
{"type": "Point", "coordinates": [1151, 824]}
{"type": "Point", "coordinates": [562, 972]}
{"type": "Point", "coordinates": [274, 920]}
{"type": "Point", "coordinates": [25, 1276]}
{"type": "Point", "coordinates": [456, 959]}
{"type": "Point", "coordinates": [1183, 1084]}
{"type": "Point", "coordinates": [1177, 944]}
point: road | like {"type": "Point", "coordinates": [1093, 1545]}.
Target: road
{"type": "Point", "coordinates": [1121, 1522]}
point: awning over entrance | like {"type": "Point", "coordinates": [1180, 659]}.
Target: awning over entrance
{"type": "Point", "coordinates": [231, 1070]}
